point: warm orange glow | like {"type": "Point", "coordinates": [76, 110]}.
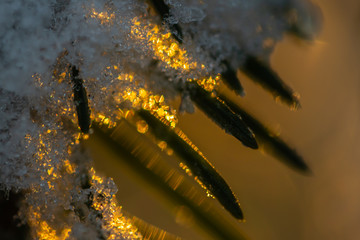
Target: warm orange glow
{"type": "Point", "coordinates": [167, 50]}
{"type": "Point", "coordinates": [163, 46]}
{"type": "Point", "coordinates": [164, 49]}
{"type": "Point", "coordinates": [187, 170]}
{"type": "Point", "coordinates": [142, 126]}
{"type": "Point", "coordinates": [104, 17]}
{"type": "Point", "coordinates": [145, 99]}
{"type": "Point", "coordinates": [162, 145]}
{"type": "Point", "coordinates": [182, 135]}
{"type": "Point", "coordinates": [43, 230]}
{"type": "Point", "coordinates": [116, 222]}
{"type": "Point", "coordinates": [60, 76]}
{"type": "Point", "coordinates": [37, 79]}
{"type": "Point", "coordinates": [69, 168]}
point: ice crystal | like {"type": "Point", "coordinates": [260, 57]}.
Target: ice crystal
{"type": "Point", "coordinates": [126, 60]}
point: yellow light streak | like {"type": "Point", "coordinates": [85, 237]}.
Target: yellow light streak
{"type": "Point", "coordinates": [186, 168]}
{"type": "Point", "coordinates": [190, 174]}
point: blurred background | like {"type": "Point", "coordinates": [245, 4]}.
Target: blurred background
{"type": "Point", "coordinates": [278, 202]}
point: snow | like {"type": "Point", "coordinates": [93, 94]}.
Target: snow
{"type": "Point", "coordinates": [38, 37]}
